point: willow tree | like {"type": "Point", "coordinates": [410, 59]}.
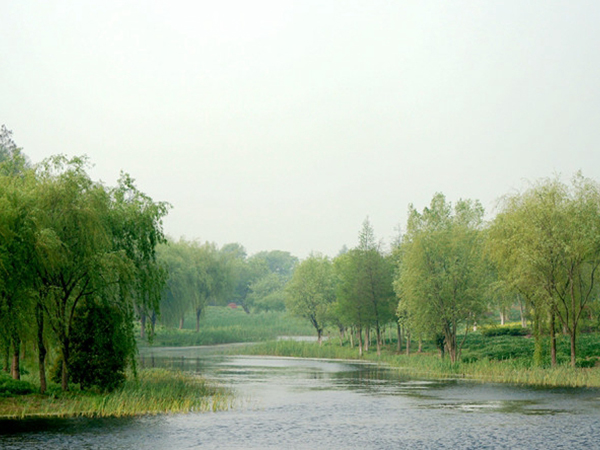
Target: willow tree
{"type": "Point", "coordinates": [551, 233]}
{"type": "Point", "coordinates": [136, 229]}
{"type": "Point", "coordinates": [99, 245]}
{"type": "Point", "coordinates": [441, 283]}
{"type": "Point", "coordinates": [18, 249]}
{"type": "Point", "coordinates": [311, 291]}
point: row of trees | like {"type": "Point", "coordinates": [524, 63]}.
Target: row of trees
{"type": "Point", "coordinates": [76, 258]}
{"type": "Point", "coordinates": [450, 269]}
{"type": "Point", "coordinates": [202, 274]}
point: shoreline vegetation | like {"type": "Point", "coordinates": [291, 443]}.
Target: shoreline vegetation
{"type": "Point", "coordinates": [427, 365]}
{"type": "Point", "coordinates": [156, 391]}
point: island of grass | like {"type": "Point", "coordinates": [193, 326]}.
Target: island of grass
{"type": "Point", "coordinates": [153, 391]}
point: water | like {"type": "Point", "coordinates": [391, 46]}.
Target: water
{"type": "Point", "coordinates": [287, 403]}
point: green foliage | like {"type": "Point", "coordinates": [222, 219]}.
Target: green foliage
{"type": "Point", "coordinates": [10, 387]}
{"type": "Point", "coordinates": [223, 325]}
{"type": "Point", "coordinates": [102, 346]}
{"type": "Point", "coordinates": [311, 291]}
{"type": "Point", "coordinates": [506, 330]}
{"type": "Point", "coordinates": [442, 271]}
{"type": "Point", "coordinates": [546, 244]}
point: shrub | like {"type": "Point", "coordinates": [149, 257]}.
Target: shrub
{"type": "Point", "coordinates": [10, 387]}
{"type": "Point", "coordinates": [506, 330]}
{"type": "Point", "coordinates": [102, 347]}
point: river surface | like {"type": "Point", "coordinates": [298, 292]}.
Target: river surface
{"type": "Point", "coordinates": [287, 403]}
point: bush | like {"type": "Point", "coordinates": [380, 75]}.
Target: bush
{"type": "Point", "coordinates": [102, 346]}
{"type": "Point", "coordinates": [505, 330]}
{"type": "Point", "coordinates": [10, 387]}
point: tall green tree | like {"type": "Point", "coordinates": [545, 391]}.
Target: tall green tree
{"type": "Point", "coordinates": [311, 291]}
{"type": "Point", "coordinates": [365, 292]}
{"type": "Point", "coordinates": [547, 242]}
{"type": "Point", "coordinates": [442, 275]}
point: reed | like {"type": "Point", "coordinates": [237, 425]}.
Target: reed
{"type": "Point", "coordinates": [156, 391]}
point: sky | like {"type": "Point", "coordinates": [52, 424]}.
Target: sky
{"type": "Point", "coordinates": [283, 125]}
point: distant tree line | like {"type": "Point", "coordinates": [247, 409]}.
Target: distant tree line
{"type": "Point", "coordinates": [450, 270]}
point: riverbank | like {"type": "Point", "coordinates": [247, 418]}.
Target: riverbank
{"type": "Point", "coordinates": [156, 391]}
{"type": "Point", "coordinates": [428, 365]}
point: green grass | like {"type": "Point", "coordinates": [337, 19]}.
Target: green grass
{"type": "Point", "coordinates": [156, 391]}
{"type": "Point", "coordinates": [222, 325]}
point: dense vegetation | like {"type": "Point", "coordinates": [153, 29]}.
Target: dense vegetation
{"type": "Point", "coordinates": [77, 260]}
{"type": "Point", "coordinates": [83, 264]}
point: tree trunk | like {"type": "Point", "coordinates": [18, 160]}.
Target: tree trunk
{"type": "Point", "coordinates": [378, 331]}
{"type": "Point", "coordinates": [143, 325]}
{"type": "Point", "coordinates": [181, 323]}
{"type": "Point", "coordinates": [41, 349]}
{"type": "Point", "coordinates": [7, 358]}
{"type": "Point", "coordinates": [65, 371]}
{"type": "Point", "coordinates": [407, 343]}
{"type": "Point", "coordinates": [573, 348]}
{"type": "Point", "coordinates": [198, 313]}
{"type": "Point", "coordinates": [552, 339]}
{"type": "Point", "coordinates": [420, 349]}
{"type": "Point", "coordinates": [360, 343]}
{"type": "Point", "coordinates": [522, 313]}
{"type": "Point", "coordinates": [152, 323]}
{"type": "Point", "coordinates": [399, 329]}
{"type": "Point", "coordinates": [367, 339]}
{"type": "Point", "coordinates": [351, 334]}
{"type": "Point", "coordinates": [15, 369]}
{"type": "Point", "coordinates": [319, 336]}
{"type": "Point", "coordinates": [502, 316]}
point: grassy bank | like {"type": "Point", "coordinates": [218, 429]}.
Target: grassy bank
{"type": "Point", "coordinates": [156, 391]}
{"type": "Point", "coordinates": [486, 363]}
{"type": "Point", "coordinates": [222, 325]}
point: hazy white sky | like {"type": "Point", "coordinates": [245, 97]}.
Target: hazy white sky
{"type": "Point", "coordinates": [283, 124]}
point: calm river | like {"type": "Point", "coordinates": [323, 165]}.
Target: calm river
{"type": "Point", "coordinates": [289, 403]}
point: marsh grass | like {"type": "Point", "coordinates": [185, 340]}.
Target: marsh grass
{"type": "Point", "coordinates": [156, 391]}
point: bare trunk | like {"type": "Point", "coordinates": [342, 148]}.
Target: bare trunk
{"type": "Point", "coordinates": [65, 374]}
{"type": "Point", "coordinates": [7, 359]}
{"type": "Point", "coordinates": [351, 337]}
{"type": "Point", "coordinates": [522, 313]}
{"type": "Point", "coordinates": [399, 329]}
{"type": "Point", "coordinates": [319, 336]}
{"type": "Point", "coordinates": [152, 323]}
{"type": "Point", "coordinates": [573, 349]}
{"type": "Point", "coordinates": [502, 316]}
{"type": "Point", "coordinates": [41, 349]}
{"type": "Point", "coordinates": [552, 339]}
{"type": "Point", "coordinates": [420, 349]}
{"type": "Point", "coordinates": [408, 343]}
{"type": "Point", "coordinates": [181, 322]}
{"type": "Point", "coordinates": [360, 343]}
{"type": "Point", "coordinates": [378, 331]}
{"type": "Point", "coordinates": [367, 339]}
{"type": "Point", "coordinates": [15, 369]}
{"type": "Point", "coordinates": [143, 325]}
{"type": "Point", "coordinates": [198, 313]}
